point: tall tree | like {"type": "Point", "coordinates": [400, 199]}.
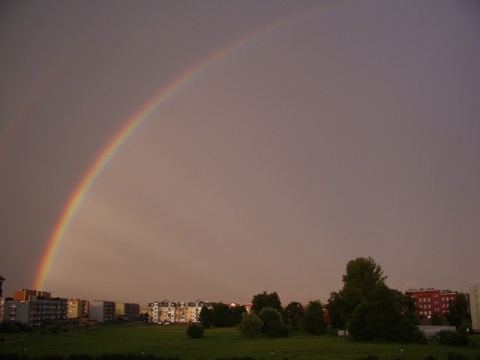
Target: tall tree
{"type": "Point", "coordinates": [264, 300]}
{"type": "Point", "coordinates": [237, 314]}
{"type": "Point", "coordinates": [315, 318]}
{"type": "Point", "coordinates": [370, 308]}
{"type": "Point", "coordinates": [206, 317]}
{"type": "Point", "coordinates": [221, 315]}
{"type": "Point", "coordinates": [293, 314]}
{"type": "Point", "coordinates": [457, 310]}
{"type": "Point", "coordinates": [363, 274]}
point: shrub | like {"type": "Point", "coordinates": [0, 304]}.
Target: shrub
{"type": "Point", "coordinates": [452, 338]}
{"type": "Point", "coordinates": [195, 331]}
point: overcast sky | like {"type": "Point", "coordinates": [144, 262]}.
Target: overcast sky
{"type": "Point", "coordinates": [326, 132]}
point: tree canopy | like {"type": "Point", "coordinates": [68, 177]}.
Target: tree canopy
{"type": "Point", "coordinates": [369, 308]}
{"type": "Point", "coordinates": [315, 318]}
{"type": "Point", "coordinates": [264, 300]}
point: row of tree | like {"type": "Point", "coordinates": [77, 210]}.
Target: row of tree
{"type": "Point", "coordinates": [366, 306]}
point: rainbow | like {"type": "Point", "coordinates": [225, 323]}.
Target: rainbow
{"type": "Point", "coordinates": [134, 122]}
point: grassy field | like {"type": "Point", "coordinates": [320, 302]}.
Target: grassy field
{"type": "Point", "coordinates": [171, 341]}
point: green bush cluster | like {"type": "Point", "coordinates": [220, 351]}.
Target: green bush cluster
{"type": "Point", "coordinates": [195, 331]}
{"type": "Point", "coordinates": [451, 338]}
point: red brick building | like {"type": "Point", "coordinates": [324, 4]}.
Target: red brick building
{"type": "Point", "coordinates": [430, 302]}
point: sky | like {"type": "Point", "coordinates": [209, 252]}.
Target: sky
{"type": "Point", "coordinates": [214, 150]}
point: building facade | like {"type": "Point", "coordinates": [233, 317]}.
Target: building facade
{"type": "Point", "coordinates": [474, 294]}
{"type": "Point", "coordinates": [2, 279]}
{"type": "Point", "coordinates": [37, 311]}
{"type": "Point", "coordinates": [103, 311]}
{"type": "Point", "coordinates": [127, 311]}
{"type": "Point", "coordinates": [77, 308]}
{"type": "Point", "coordinates": [165, 312]}
{"type": "Point", "coordinates": [432, 302]}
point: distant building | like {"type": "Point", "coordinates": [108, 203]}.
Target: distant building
{"type": "Point", "coordinates": [77, 308]}
{"type": "Point", "coordinates": [474, 293]}
{"type": "Point", "coordinates": [176, 311]}
{"type": "Point", "coordinates": [104, 311]}
{"type": "Point", "coordinates": [26, 294]}
{"type": "Point", "coordinates": [2, 279]}
{"type": "Point", "coordinates": [2, 306]}
{"type": "Point", "coordinates": [127, 311]}
{"type": "Point", "coordinates": [37, 311]}
{"type": "Point", "coordinates": [2, 299]}
{"type": "Point", "coordinates": [430, 302]}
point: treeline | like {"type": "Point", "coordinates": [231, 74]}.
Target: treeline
{"type": "Point", "coordinates": [365, 306]}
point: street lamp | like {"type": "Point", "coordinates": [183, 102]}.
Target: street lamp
{"type": "Point", "coordinates": [403, 353]}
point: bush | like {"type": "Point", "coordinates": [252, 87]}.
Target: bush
{"type": "Point", "coordinates": [452, 338]}
{"type": "Point", "coordinates": [195, 331]}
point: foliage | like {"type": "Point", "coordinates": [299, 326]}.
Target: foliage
{"type": "Point", "coordinates": [264, 300]}
{"type": "Point", "coordinates": [435, 320]}
{"type": "Point", "coordinates": [272, 323]}
{"type": "Point", "coordinates": [457, 310]}
{"type": "Point", "coordinates": [221, 315]}
{"type": "Point", "coordinates": [314, 321]}
{"type": "Point", "coordinates": [372, 310]}
{"type": "Point", "coordinates": [457, 338]}
{"type": "Point", "coordinates": [195, 330]}
{"type": "Point", "coordinates": [237, 314]}
{"type": "Point", "coordinates": [293, 315]}
{"type": "Point", "coordinates": [251, 324]}
{"type": "Point", "coordinates": [334, 307]}
{"type": "Point", "coordinates": [363, 274]}
{"type": "Point", "coordinates": [206, 317]}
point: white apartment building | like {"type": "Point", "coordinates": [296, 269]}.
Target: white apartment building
{"type": "Point", "coordinates": [474, 293]}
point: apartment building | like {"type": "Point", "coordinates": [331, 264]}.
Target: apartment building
{"type": "Point", "coordinates": [26, 294]}
{"type": "Point", "coordinates": [430, 302]}
{"type": "Point", "coordinates": [164, 312]}
{"type": "Point", "coordinates": [103, 311]}
{"type": "Point", "coordinates": [37, 311]}
{"type": "Point", "coordinates": [2, 279]}
{"type": "Point", "coordinates": [127, 310]}
{"type": "Point", "coordinates": [77, 308]}
{"type": "Point", "coordinates": [474, 293]}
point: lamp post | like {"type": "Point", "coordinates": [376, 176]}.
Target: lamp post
{"type": "Point", "coordinates": [403, 353]}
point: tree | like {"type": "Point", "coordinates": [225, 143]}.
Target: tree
{"type": "Point", "coordinates": [315, 318]}
{"type": "Point", "coordinates": [237, 314]}
{"type": "Point", "coordinates": [363, 274]}
{"type": "Point", "coordinates": [457, 310]}
{"type": "Point", "coordinates": [195, 331]}
{"type": "Point", "coordinates": [272, 322]}
{"type": "Point", "coordinates": [251, 324]}
{"type": "Point", "coordinates": [206, 317]}
{"type": "Point", "coordinates": [221, 315]}
{"type": "Point", "coordinates": [264, 300]}
{"type": "Point", "coordinates": [334, 307]}
{"type": "Point", "coordinates": [294, 313]}
{"type": "Point", "coordinates": [371, 309]}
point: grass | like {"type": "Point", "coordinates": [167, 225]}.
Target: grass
{"type": "Point", "coordinates": [171, 341]}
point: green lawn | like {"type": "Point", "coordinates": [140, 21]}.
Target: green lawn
{"type": "Point", "coordinates": [171, 341]}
